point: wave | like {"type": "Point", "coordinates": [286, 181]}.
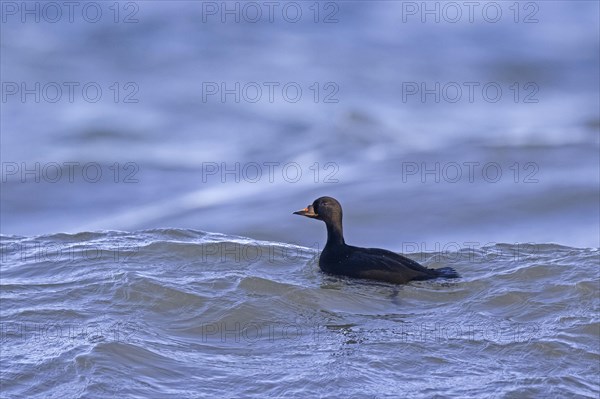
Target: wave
{"type": "Point", "coordinates": [144, 312]}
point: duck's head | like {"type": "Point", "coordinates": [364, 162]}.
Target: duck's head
{"type": "Point", "coordinates": [327, 209]}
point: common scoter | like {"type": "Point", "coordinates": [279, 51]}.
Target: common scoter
{"type": "Point", "coordinates": [370, 263]}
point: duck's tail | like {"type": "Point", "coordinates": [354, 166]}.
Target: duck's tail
{"type": "Point", "coordinates": [447, 272]}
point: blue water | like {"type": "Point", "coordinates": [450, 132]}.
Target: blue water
{"type": "Point", "coordinates": [184, 313]}
{"type": "Point", "coordinates": [472, 142]}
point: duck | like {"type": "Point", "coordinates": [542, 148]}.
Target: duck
{"type": "Point", "coordinates": [341, 259]}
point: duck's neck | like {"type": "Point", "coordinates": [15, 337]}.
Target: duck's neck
{"type": "Point", "coordinates": [335, 234]}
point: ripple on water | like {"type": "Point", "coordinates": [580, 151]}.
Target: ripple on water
{"type": "Point", "coordinates": [174, 317]}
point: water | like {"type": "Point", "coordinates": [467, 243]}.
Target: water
{"type": "Point", "coordinates": [140, 226]}
{"type": "Point", "coordinates": [184, 313]}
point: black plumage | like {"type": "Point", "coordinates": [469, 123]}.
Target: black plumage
{"type": "Point", "coordinates": [369, 263]}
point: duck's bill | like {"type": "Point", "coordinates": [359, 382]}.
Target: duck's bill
{"type": "Point", "coordinates": [308, 212]}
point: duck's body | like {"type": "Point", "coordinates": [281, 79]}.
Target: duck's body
{"type": "Point", "coordinates": [376, 264]}
{"type": "Point", "coordinates": [369, 263]}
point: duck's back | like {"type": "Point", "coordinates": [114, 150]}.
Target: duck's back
{"type": "Point", "coordinates": [376, 264]}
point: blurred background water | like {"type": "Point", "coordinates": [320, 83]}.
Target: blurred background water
{"type": "Point", "coordinates": [442, 127]}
